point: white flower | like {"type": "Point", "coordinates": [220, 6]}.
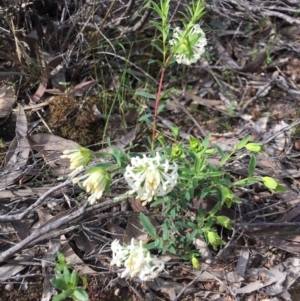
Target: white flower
{"type": "Point", "coordinates": [150, 177]}
{"type": "Point", "coordinates": [149, 272]}
{"type": "Point", "coordinates": [78, 157]}
{"type": "Point", "coordinates": [120, 254]}
{"type": "Point", "coordinates": [137, 261]}
{"type": "Point", "coordinates": [190, 48]}
{"type": "Point", "coordinates": [97, 181]}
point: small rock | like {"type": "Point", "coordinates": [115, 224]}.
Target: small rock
{"type": "Point", "coordinates": [117, 292]}
{"type": "Point", "coordinates": [9, 287]}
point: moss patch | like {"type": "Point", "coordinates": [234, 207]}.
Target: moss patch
{"type": "Point", "coordinates": [75, 119]}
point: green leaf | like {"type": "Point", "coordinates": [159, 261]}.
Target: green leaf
{"type": "Point", "coordinates": [80, 294]}
{"type": "Point", "coordinates": [191, 236]}
{"type": "Point", "coordinates": [157, 47]}
{"type": "Point", "coordinates": [148, 225]}
{"type": "Point", "coordinates": [215, 209]}
{"type": "Point", "coordinates": [247, 181]}
{"type": "Point", "coordinates": [166, 231]}
{"type": "Point", "coordinates": [60, 277]}
{"type": "Point", "coordinates": [193, 38]}
{"type": "Point", "coordinates": [220, 151]}
{"type": "Point", "coordinates": [206, 141]}
{"type": "Point", "coordinates": [199, 164]}
{"type": "Point", "coordinates": [189, 43]}
{"type": "Point", "coordinates": [165, 5]}
{"type": "Point", "coordinates": [158, 243]}
{"type": "Point", "coordinates": [173, 213]}
{"type": "Point", "coordinates": [161, 140]}
{"type": "Point", "coordinates": [242, 143]}
{"type": "Point", "coordinates": [61, 257]}
{"type": "Point", "coordinates": [64, 295]}
{"type": "Point", "coordinates": [209, 222]}
{"type": "Point", "coordinates": [181, 49]}
{"type": "Point", "coordinates": [59, 284]}
{"type": "Point", "coordinates": [175, 131]}
{"type": "Point", "coordinates": [145, 117]}
{"type": "Point", "coordinates": [191, 10]}
{"type": "Point", "coordinates": [172, 250]}
{"type": "Point", "coordinates": [204, 192]}
{"type": "Point", "coordinates": [280, 188]}
{"type": "Point", "coordinates": [187, 195]}
{"type": "Point", "coordinates": [210, 151]}
{"type": "Point", "coordinates": [60, 267]}
{"type": "Point", "coordinates": [157, 202]}
{"type": "Point", "coordinates": [252, 165]}
{"type": "Point", "coordinates": [254, 147]}
{"type": "Point", "coordinates": [74, 278]}
{"type": "Point", "coordinates": [186, 171]}
{"type": "Point", "coordinates": [157, 9]}
{"type": "Point", "coordinates": [151, 245]}
{"type": "Point", "coordinates": [151, 61]}
{"type": "Point", "coordinates": [66, 274]}
{"type": "Point", "coordinates": [157, 26]}
{"type": "Point", "coordinates": [145, 94]}
{"type": "Point", "coordinates": [161, 107]}
{"type": "Point", "coordinates": [270, 182]}
{"type": "Point", "coordinates": [225, 158]}
{"type": "Point", "coordinates": [214, 174]}
{"type": "Point", "coordinates": [209, 175]}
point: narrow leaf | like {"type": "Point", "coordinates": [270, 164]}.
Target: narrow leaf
{"type": "Point", "coordinates": [252, 165]}
{"type": "Point", "coordinates": [246, 182]}
{"type": "Point", "coordinates": [61, 257]}
{"type": "Point", "coordinates": [242, 143]}
{"type": "Point", "coordinates": [66, 274]}
{"type": "Point", "coordinates": [148, 225]}
{"type": "Point", "coordinates": [157, 47]}
{"type": "Point", "coordinates": [209, 175]}
{"type": "Point", "coordinates": [74, 278]}
{"type": "Point", "coordinates": [145, 94]}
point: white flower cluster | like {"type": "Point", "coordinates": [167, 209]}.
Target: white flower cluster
{"type": "Point", "coordinates": [150, 177]}
{"type": "Point", "coordinates": [96, 181]}
{"type": "Point", "coordinates": [196, 40]}
{"type": "Point", "coordinates": [137, 261]}
{"type": "Point", "coordinates": [78, 157]}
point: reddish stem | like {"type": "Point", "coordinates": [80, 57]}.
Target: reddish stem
{"type": "Point", "coordinates": [156, 105]}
